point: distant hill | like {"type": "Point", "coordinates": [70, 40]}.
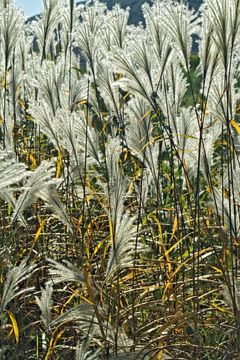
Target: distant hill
{"type": "Point", "coordinates": [136, 7]}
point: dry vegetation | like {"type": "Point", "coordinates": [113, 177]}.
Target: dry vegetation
{"type": "Point", "coordinates": [119, 183]}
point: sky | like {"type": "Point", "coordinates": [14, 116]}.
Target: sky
{"type": "Point", "coordinates": [30, 7]}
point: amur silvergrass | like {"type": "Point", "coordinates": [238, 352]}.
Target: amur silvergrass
{"type": "Point", "coordinates": [119, 171]}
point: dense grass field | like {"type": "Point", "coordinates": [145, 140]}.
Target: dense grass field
{"type": "Point", "coordinates": [119, 182]}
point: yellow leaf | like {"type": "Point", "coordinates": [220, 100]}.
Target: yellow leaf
{"type": "Point", "coordinates": [85, 299]}
{"type": "Point", "coordinates": [99, 245]}
{"type": "Point", "coordinates": [22, 104]}
{"type": "Point", "coordinates": [217, 269]}
{"type": "Point", "coordinates": [38, 233]}
{"type": "Point", "coordinates": [111, 230]}
{"type": "Point", "coordinates": [216, 306]}
{"type": "Point", "coordinates": [4, 83]}
{"type": "Point", "coordinates": [14, 325]}
{"type": "Point", "coordinates": [148, 112]}
{"type": "Point", "coordinates": [33, 161]}
{"type": "Point", "coordinates": [235, 125]}
{"type": "Point", "coordinates": [4, 80]}
{"type": "Point", "coordinates": [53, 343]}
{"type": "Point", "coordinates": [89, 283]}
{"type": "Point", "coordinates": [82, 102]}
{"type": "Point", "coordinates": [40, 229]}
{"type": "Point", "coordinates": [125, 154]}
{"type": "Point", "coordinates": [127, 277]}
{"type": "Point", "coordinates": [75, 292]}
{"type": "Point", "coordinates": [37, 347]}
{"type": "Point", "coordinates": [59, 164]}
{"type": "Point", "coordinates": [126, 96]}
{"type": "Point", "coordinates": [89, 198]}
{"type": "Point", "coordinates": [175, 226]}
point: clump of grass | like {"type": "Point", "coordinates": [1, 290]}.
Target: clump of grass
{"type": "Point", "coordinates": [119, 168]}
